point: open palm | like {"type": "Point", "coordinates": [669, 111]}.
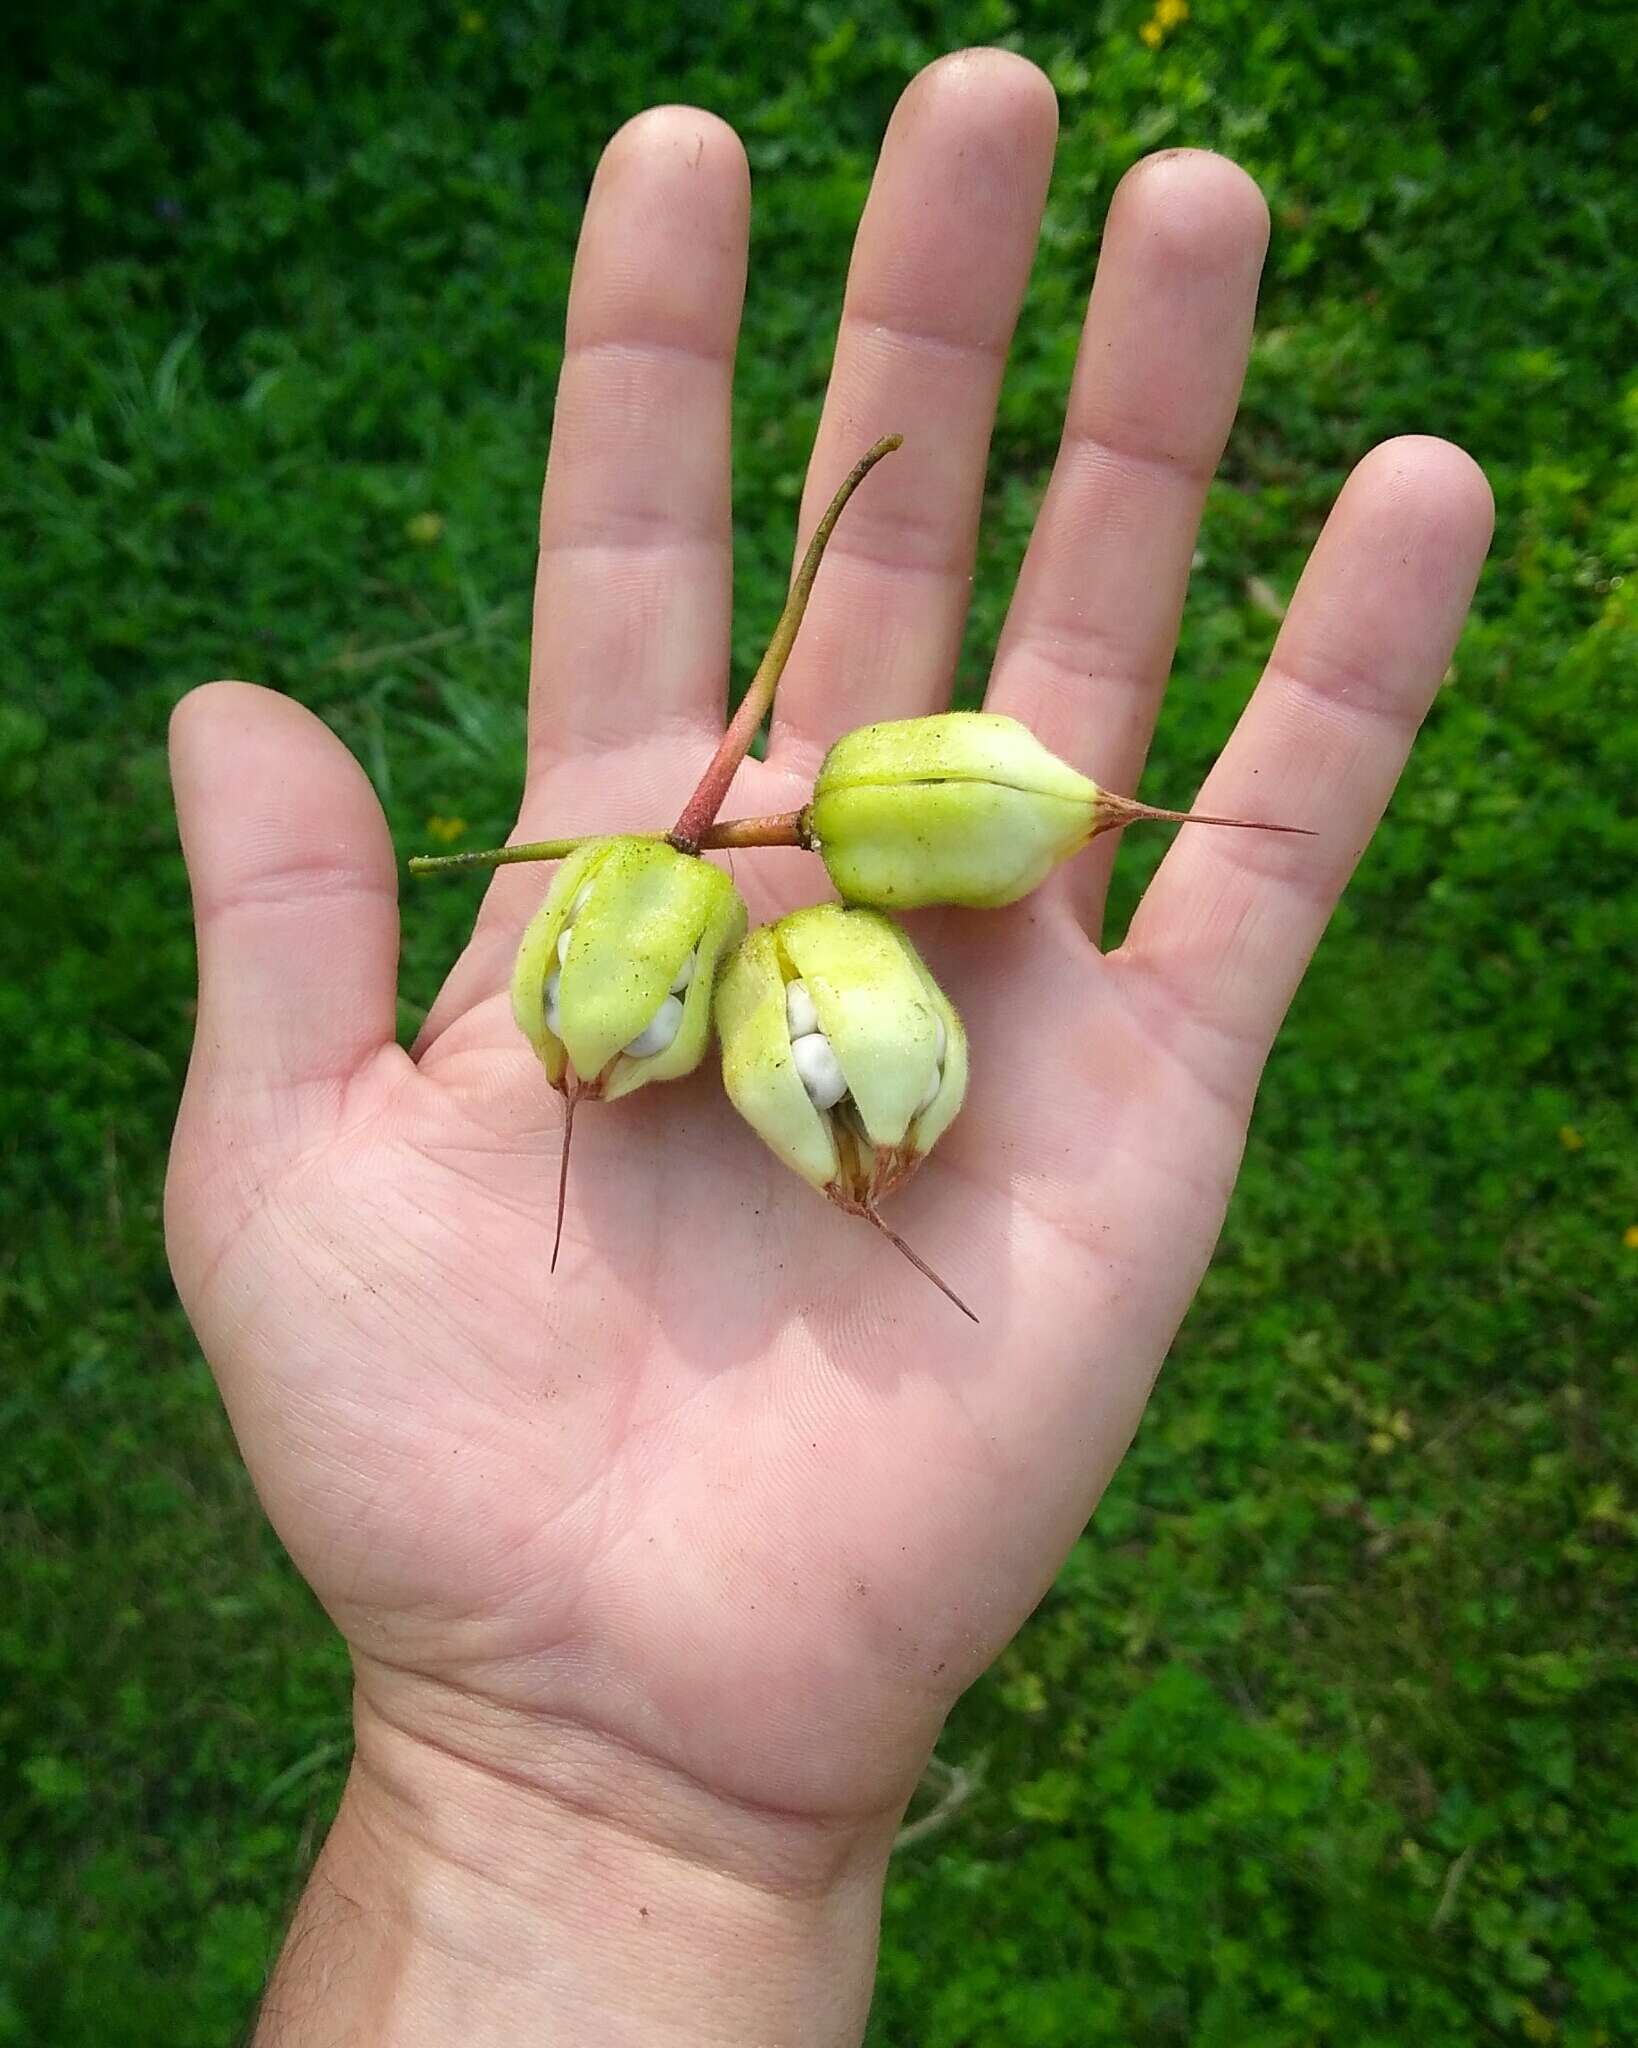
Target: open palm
{"type": "Point", "coordinates": [736, 1492]}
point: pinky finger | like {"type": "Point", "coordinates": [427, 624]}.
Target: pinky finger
{"type": "Point", "coordinates": [1226, 928]}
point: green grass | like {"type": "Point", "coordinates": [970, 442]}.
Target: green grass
{"type": "Point", "coordinates": [1325, 1735]}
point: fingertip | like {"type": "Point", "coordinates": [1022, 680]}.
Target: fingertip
{"type": "Point", "coordinates": [939, 270]}
{"type": "Point", "coordinates": [676, 137]}
{"type": "Point", "coordinates": [1195, 210]}
{"type": "Point", "coordinates": [266, 790]}
{"type": "Point", "coordinates": [986, 84]}
{"type": "Point", "coordinates": [201, 723]}
{"type": "Point", "coordinates": [213, 713]}
{"type": "Point", "coordinates": [663, 245]}
{"type": "Point", "coordinates": [196, 708]}
{"type": "Point", "coordinates": [950, 228]}
{"type": "Point", "coordinates": [258, 749]}
{"type": "Point", "coordinates": [633, 594]}
{"type": "Point", "coordinates": [1433, 479]}
{"type": "Point", "coordinates": [1402, 549]}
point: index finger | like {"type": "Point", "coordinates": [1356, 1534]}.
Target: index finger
{"type": "Point", "coordinates": [633, 587]}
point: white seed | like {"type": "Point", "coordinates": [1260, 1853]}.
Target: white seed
{"type": "Point", "coordinates": [563, 938]}
{"type": "Point", "coordinates": [800, 1013]}
{"type": "Point", "coordinates": [580, 901]}
{"type": "Point", "coordinates": [554, 992]}
{"type": "Point", "coordinates": [657, 1034]}
{"type": "Point", "coordinates": [943, 1040]}
{"type": "Point", "coordinates": [819, 1068]}
{"type": "Point", "coordinates": [684, 974]}
{"type": "Point", "coordinates": [930, 1093]}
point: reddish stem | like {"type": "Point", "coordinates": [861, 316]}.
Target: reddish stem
{"type": "Point", "coordinates": [688, 835]}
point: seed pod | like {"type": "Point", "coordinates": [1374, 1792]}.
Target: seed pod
{"type": "Point", "coordinates": [965, 807]}
{"type": "Point", "coordinates": [613, 982]}
{"type": "Point", "coordinates": [842, 1053]}
{"type": "Point", "coordinates": [614, 976]}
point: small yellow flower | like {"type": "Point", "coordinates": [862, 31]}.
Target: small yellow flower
{"type": "Point", "coordinates": [1570, 1138]}
{"type": "Point", "coordinates": [1629, 1237]}
{"type": "Point", "coordinates": [1535, 2025]}
{"type": "Point", "coordinates": [1171, 13]}
{"type": "Point", "coordinates": [445, 829]}
{"type": "Point", "coordinates": [1025, 1694]}
{"type": "Point", "coordinates": [1381, 1442]}
{"type": "Point", "coordinates": [425, 529]}
{"type": "Point", "coordinates": [1153, 34]}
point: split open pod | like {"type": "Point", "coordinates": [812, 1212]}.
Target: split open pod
{"type": "Point", "coordinates": [612, 985]}
{"type": "Point", "coordinates": [843, 1053]}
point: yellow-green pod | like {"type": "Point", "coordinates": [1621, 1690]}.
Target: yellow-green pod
{"type": "Point", "coordinates": [840, 1049]}
{"type": "Point", "coordinates": [757, 1069]}
{"type": "Point", "coordinates": [966, 807]}
{"type": "Point", "coordinates": [615, 971]}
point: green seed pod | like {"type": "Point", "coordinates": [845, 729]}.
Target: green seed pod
{"type": "Point", "coordinates": [965, 807]}
{"type": "Point", "coordinates": [840, 1050]}
{"type": "Point", "coordinates": [615, 972]}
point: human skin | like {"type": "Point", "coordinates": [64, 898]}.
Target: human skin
{"type": "Point", "coordinates": [661, 1574]}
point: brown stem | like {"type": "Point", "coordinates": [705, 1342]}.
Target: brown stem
{"type": "Point", "coordinates": [1114, 812]}
{"type": "Point", "coordinates": [786, 828]}
{"type": "Point", "coordinates": [782, 828]}
{"type": "Point", "coordinates": [874, 1216]}
{"type": "Point", "coordinates": [688, 835]}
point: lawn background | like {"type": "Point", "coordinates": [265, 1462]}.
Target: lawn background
{"type": "Point", "coordinates": [1327, 1733]}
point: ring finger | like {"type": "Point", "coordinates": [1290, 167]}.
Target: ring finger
{"type": "Point", "coordinates": [1089, 636]}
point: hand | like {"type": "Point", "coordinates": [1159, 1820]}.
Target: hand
{"type": "Point", "coordinates": [669, 1567]}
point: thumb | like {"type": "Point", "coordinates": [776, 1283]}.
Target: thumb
{"type": "Point", "coordinates": [295, 906]}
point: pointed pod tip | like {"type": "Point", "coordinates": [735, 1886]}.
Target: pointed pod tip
{"type": "Point", "coordinates": [570, 1100]}
{"type": "Point", "coordinates": [874, 1216]}
{"type": "Point", "coordinates": [1118, 811]}
{"type": "Point", "coordinates": [1248, 824]}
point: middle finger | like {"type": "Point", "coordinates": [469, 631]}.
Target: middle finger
{"type": "Point", "coordinates": [938, 272]}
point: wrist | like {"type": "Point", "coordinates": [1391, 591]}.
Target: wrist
{"type": "Point", "coordinates": [591, 1897]}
